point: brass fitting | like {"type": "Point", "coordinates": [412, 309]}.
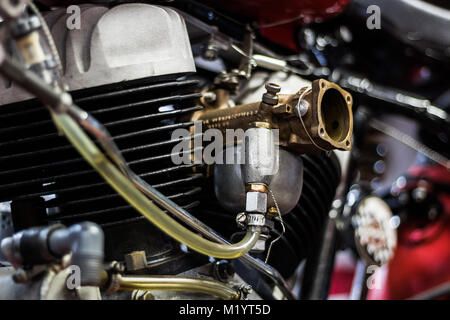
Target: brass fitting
{"type": "Point", "coordinates": [258, 124]}
{"type": "Point", "coordinates": [255, 187]}
{"type": "Point", "coordinates": [316, 118]}
{"type": "Point", "coordinates": [272, 212]}
{"type": "Point", "coordinates": [136, 260]}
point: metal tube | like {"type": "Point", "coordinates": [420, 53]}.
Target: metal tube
{"type": "Point", "coordinates": [392, 100]}
{"type": "Point", "coordinates": [321, 266]}
{"type": "Point", "coordinates": [359, 285]}
{"type": "Point", "coordinates": [210, 287]}
{"type": "Point", "coordinates": [35, 246]}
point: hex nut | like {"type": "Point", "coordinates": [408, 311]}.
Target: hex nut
{"type": "Point", "coordinates": [256, 202]}
{"type": "Point", "coordinates": [260, 245]}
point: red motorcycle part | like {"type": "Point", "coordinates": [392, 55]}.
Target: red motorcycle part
{"type": "Point", "coordinates": [277, 20]}
{"type": "Point", "coordinates": [422, 258]}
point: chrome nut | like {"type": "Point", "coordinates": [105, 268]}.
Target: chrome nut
{"type": "Point", "coordinates": [256, 202]}
{"type": "Point", "coordinates": [260, 245]}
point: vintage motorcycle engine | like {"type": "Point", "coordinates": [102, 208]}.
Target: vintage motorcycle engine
{"type": "Point", "coordinates": [137, 76]}
{"type": "Point", "coordinates": [129, 89]}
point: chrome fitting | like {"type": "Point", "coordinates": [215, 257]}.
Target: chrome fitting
{"type": "Point", "coordinates": [257, 220]}
{"type": "Point", "coordinates": [256, 202]}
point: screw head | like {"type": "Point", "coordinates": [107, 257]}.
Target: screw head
{"type": "Point", "coordinates": [241, 220]}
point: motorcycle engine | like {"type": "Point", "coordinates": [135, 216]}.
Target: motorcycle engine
{"type": "Point", "coordinates": [137, 75]}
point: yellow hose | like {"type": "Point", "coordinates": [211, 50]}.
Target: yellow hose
{"type": "Point", "coordinates": [141, 203]}
{"type": "Point", "coordinates": [151, 283]}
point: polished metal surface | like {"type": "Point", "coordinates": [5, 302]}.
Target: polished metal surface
{"type": "Point", "coordinates": [256, 202]}
{"type": "Point", "coordinates": [103, 51]}
{"type": "Point", "coordinates": [286, 184]}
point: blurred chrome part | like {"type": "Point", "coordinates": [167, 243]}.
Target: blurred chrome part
{"type": "Point", "coordinates": [38, 246]}
{"type": "Point", "coordinates": [400, 18]}
{"type": "Point", "coordinates": [392, 100]}
{"type": "Point", "coordinates": [410, 142]}
{"type": "Point", "coordinates": [375, 237]}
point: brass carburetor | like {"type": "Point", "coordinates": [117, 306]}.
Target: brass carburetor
{"type": "Point", "coordinates": [316, 118]}
{"type": "Point", "coordinates": [269, 182]}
